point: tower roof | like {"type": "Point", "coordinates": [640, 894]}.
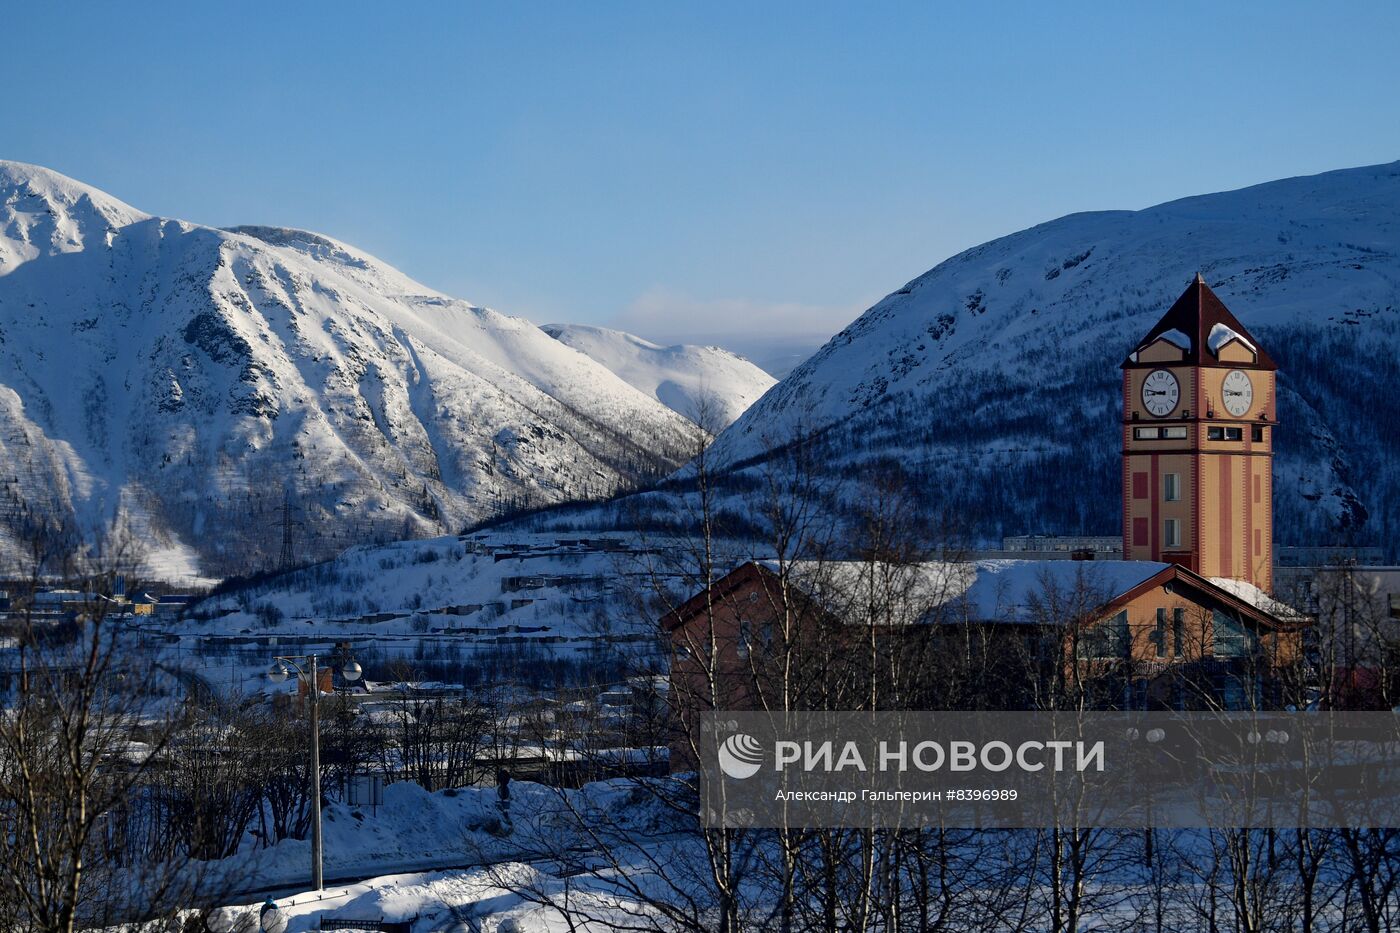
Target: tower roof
{"type": "Point", "coordinates": [1201, 319]}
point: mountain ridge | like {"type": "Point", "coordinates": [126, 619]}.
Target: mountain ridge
{"type": "Point", "coordinates": [707, 384]}
{"type": "Point", "coordinates": [1037, 322]}
{"type": "Point", "coordinates": [174, 378]}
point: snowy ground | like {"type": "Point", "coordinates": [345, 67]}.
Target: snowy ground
{"type": "Point", "coordinates": [412, 829]}
{"type": "Point", "coordinates": [525, 880]}
{"type": "Point", "coordinates": [481, 899]}
{"type": "Point", "coordinates": [506, 874]}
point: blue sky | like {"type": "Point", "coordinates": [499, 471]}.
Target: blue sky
{"type": "Point", "coordinates": [707, 170]}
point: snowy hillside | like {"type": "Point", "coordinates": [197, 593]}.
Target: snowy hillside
{"type": "Point", "coordinates": [179, 380]}
{"type": "Point", "coordinates": [511, 605]}
{"type": "Point", "coordinates": [473, 589]}
{"type": "Point", "coordinates": [992, 381]}
{"type": "Point", "coordinates": [683, 377]}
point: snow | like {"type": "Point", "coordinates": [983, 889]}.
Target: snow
{"type": "Point", "coordinates": [1177, 338]}
{"type": "Point", "coordinates": [460, 600]}
{"type": "Point", "coordinates": [1257, 598]}
{"type": "Point", "coordinates": [1222, 334]}
{"type": "Point", "coordinates": [509, 884]}
{"type": "Point", "coordinates": [569, 597]}
{"type": "Point", "coordinates": [943, 374]}
{"type": "Point", "coordinates": [415, 830]}
{"type": "Point", "coordinates": [987, 590]}
{"type": "Point", "coordinates": [504, 897]}
{"type": "Point", "coordinates": [175, 563]}
{"type": "Point", "coordinates": [174, 379]}
{"type": "Point", "coordinates": [1012, 589]}
{"type": "Point", "coordinates": [412, 828]}
{"type": "Point", "coordinates": [957, 591]}
{"type": "Point", "coordinates": [685, 378]}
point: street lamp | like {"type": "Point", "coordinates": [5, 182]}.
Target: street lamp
{"type": "Point", "coordinates": [282, 667]}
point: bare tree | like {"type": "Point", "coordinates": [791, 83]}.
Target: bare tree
{"type": "Point", "coordinates": [86, 733]}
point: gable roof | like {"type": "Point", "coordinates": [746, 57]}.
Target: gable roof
{"type": "Point", "coordinates": [995, 591]}
{"type": "Point", "coordinates": [1244, 598]}
{"type": "Point", "coordinates": [1006, 591]}
{"type": "Point", "coordinates": [1201, 317]}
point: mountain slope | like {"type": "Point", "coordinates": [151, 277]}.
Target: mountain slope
{"type": "Point", "coordinates": [180, 380]}
{"type": "Point", "coordinates": [991, 382]}
{"type": "Point", "coordinates": [703, 383]}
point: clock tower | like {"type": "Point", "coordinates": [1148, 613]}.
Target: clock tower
{"type": "Point", "coordinates": [1199, 412]}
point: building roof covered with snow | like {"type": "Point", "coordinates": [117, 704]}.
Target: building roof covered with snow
{"type": "Point", "coordinates": [1022, 592]}
{"type": "Point", "coordinates": [1201, 326]}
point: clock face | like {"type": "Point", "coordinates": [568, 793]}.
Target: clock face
{"type": "Point", "coordinates": [1160, 392]}
{"type": "Point", "coordinates": [1238, 392]}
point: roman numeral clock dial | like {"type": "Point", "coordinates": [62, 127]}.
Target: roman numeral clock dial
{"type": "Point", "coordinates": [1238, 392]}
{"type": "Point", "coordinates": [1160, 392]}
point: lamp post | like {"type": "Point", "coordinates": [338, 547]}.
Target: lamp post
{"type": "Point", "coordinates": [278, 673]}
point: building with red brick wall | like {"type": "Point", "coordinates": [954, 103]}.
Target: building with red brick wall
{"type": "Point", "coordinates": [1199, 414]}
{"type": "Point", "coordinates": [1190, 604]}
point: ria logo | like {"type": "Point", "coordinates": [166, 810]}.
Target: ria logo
{"type": "Point", "coordinates": [740, 756]}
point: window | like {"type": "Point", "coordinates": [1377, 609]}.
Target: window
{"type": "Point", "coordinates": [1159, 634]}
{"type": "Point", "coordinates": [1173, 533]}
{"type": "Point", "coordinates": [1178, 631]}
{"type": "Point", "coordinates": [1257, 433]}
{"type": "Point", "coordinates": [1108, 640]}
{"type": "Point", "coordinates": [745, 639]}
{"type": "Point", "coordinates": [1139, 485]}
{"type": "Point", "coordinates": [1172, 433]}
{"type": "Point", "coordinates": [1140, 532]}
{"type": "Point", "coordinates": [1231, 638]}
{"type": "Point", "coordinates": [1172, 487]}
{"type": "Point", "coordinates": [1224, 434]}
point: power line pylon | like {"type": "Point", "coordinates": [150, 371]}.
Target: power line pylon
{"type": "Point", "coordinates": [287, 558]}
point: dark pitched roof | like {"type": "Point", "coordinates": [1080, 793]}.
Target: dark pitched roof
{"type": "Point", "coordinates": [749, 571]}
{"type": "Point", "coordinates": [1195, 314]}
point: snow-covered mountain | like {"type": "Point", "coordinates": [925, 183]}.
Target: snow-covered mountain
{"type": "Point", "coordinates": [992, 383]}
{"type": "Point", "coordinates": [707, 384]}
{"type": "Point", "coordinates": [180, 380]}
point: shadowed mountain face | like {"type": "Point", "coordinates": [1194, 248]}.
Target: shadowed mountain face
{"type": "Point", "coordinates": [181, 381]}
{"type": "Point", "coordinates": [991, 383]}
